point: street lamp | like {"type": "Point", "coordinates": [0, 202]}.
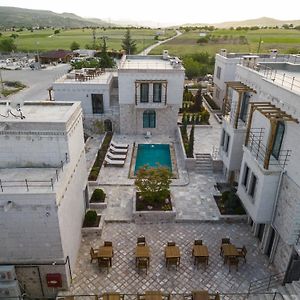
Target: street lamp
{"type": "Point", "coordinates": [259, 44]}
{"type": "Point", "coordinates": [2, 84]}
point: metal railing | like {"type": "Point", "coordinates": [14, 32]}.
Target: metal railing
{"type": "Point", "coordinates": [28, 184]}
{"type": "Point", "coordinates": [266, 283]}
{"type": "Point", "coordinates": [230, 114]}
{"type": "Point", "coordinates": [169, 296]}
{"type": "Point", "coordinates": [259, 150]}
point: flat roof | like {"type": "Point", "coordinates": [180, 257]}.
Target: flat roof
{"type": "Point", "coordinates": [41, 112]}
{"type": "Point", "coordinates": [32, 180]}
{"type": "Point", "coordinates": [150, 62]}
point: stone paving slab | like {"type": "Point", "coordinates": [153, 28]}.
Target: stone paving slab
{"type": "Point", "coordinates": [123, 276]}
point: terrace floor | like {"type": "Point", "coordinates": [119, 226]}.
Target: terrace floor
{"type": "Point", "coordinates": [123, 276]}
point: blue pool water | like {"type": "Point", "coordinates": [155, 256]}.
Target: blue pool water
{"type": "Point", "coordinates": [153, 155]}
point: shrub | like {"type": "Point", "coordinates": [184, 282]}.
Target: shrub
{"type": "Point", "coordinates": [90, 218]}
{"type": "Point", "coordinates": [98, 196]}
{"type": "Point", "coordinates": [205, 117]}
{"type": "Point", "coordinates": [190, 150]}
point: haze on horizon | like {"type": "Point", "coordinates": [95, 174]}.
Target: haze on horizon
{"type": "Point", "coordinates": [167, 12]}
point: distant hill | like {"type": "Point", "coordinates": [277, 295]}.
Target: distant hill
{"type": "Point", "coordinates": [264, 21]}
{"type": "Point", "coordinates": [18, 17]}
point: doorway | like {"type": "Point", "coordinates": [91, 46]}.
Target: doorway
{"type": "Point", "coordinates": [108, 125]}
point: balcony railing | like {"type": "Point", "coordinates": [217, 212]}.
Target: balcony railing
{"type": "Point", "coordinates": [231, 115]}
{"type": "Point", "coordinates": [259, 150]}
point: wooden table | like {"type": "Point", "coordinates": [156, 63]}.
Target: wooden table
{"type": "Point", "coordinates": [200, 251]}
{"type": "Point", "coordinates": [142, 251]}
{"type": "Point", "coordinates": [229, 250]}
{"type": "Point", "coordinates": [200, 295]}
{"type": "Point", "coordinates": [112, 296]}
{"type": "Point", "coordinates": [172, 252]}
{"type": "Point", "coordinates": [153, 296]}
{"type": "Point", "coordinates": [105, 252]}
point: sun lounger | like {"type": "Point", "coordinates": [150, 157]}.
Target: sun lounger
{"type": "Point", "coordinates": [116, 156]}
{"type": "Point", "coordinates": [112, 149]}
{"type": "Point", "coordinates": [113, 163]}
{"type": "Point", "coordinates": [124, 146]}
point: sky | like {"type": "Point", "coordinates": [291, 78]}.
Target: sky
{"type": "Point", "coordinates": [167, 11]}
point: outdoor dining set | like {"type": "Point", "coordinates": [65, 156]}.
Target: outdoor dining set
{"type": "Point", "coordinates": [230, 253]}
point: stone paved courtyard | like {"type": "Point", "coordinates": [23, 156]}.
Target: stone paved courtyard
{"type": "Point", "coordinates": [123, 276]}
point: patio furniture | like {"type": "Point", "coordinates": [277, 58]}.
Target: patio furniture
{"type": "Point", "coordinates": [93, 254]}
{"type": "Point", "coordinates": [224, 241]}
{"type": "Point", "coordinates": [200, 295]}
{"type": "Point", "coordinates": [153, 295]}
{"type": "Point", "coordinates": [113, 163]}
{"type": "Point", "coordinates": [112, 296]}
{"type": "Point", "coordinates": [105, 252]}
{"type": "Point", "coordinates": [116, 156]}
{"type": "Point", "coordinates": [148, 135]}
{"type": "Point", "coordinates": [124, 146]}
{"type": "Point", "coordinates": [198, 242]}
{"type": "Point", "coordinates": [142, 252]}
{"type": "Point", "coordinates": [217, 296]}
{"type": "Point", "coordinates": [233, 261]}
{"type": "Point", "coordinates": [229, 250]}
{"type": "Point", "coordinates": [242, 252]}
{"type": "Point", "coordinates": [200, 254]}
{"type": "Point", "coordinates": [114, 150]}
{"type": "Point", "coordinates": [172, 255]}
{"type": "Point", "coordinates": [141, 240]}
{"type": "Point", "coordinates": [142, 264]}
{"type": "Point", "coordinates": [104, 262]}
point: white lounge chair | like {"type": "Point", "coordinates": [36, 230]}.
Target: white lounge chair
{"type": "Point", "coordinates": [125, 146]}
{"type": "Point", "coordinates": [148, 135]}
{"type": "Point", "coordinates": [116, 156]}
{"type": "Point", "coordinates": [112, 149]}
{"type": "Point", "coordinates": [113, 163]}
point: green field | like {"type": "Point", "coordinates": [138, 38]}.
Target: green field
{"type": "Point", "coordinates": [281, 39]}
{"type": "Point", "coordinates": [43, 40]}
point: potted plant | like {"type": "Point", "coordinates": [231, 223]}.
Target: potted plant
{"type": "Point", "coordinates": [98, 196]}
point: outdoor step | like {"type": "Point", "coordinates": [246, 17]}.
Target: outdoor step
{"type": "Point", "coordinates": [284, 292]}
{"type": "Point", "coordinates": [291, 290]}
{"type": "Point", "coordinates": [296, 285]}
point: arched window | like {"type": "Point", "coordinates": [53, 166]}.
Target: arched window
{"type": "Point", "coordinates": [149, 119]}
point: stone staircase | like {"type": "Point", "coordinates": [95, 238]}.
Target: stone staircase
{"type": "Point", "coordinates": [203, 163]}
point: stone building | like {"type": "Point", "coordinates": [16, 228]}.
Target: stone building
{"type": "Point", "coordinates": [259, 148]}
{"type": "Point", "coordinates": [43, 194]}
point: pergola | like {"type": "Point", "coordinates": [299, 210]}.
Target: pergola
{"type": "Point", "coordinates": [241, 88]}
{"type": "Point", "coordinates": [274, 115]}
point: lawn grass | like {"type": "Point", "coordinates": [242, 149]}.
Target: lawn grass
{"type": "Point", "coordinates": [44, 40]}
{"type": "Point", "coordinates": [186, 44]}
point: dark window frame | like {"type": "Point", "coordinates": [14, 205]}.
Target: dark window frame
{"type": "Point", "coordinates": [244, 107]}
{"type": "Point", "coordinates": [159, 93]}
{"type": "Point", "coordinates": [149, 119]}
{"type": "Point", "coordinates": [219, 70]}
{"type": "Point", "coordinates": [226, 146]}
{"type": "Point", "coordinates": [144, 97]}
{"type": "Point", "coordinates": [223, 137]}
{"type": "Point", "coordinates": [252, 185]}
{"type": "Point", "coordinates": [246, 173]}
{"type": "Point", "coordinates": [276, 147]}
{"type": "Point", "coordinates": [97, 103]}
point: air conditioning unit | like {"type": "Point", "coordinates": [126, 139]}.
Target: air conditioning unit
{"type": "Point", "coordinates": [10, 289]}
{"type": "Point", "coordinates": [7, 273]}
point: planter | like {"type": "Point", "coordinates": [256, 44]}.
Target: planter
{"type": "Point", "coordinates": [97, 230]}
{"type": "Point", "coordinates": [97, 199]}
{"type": "Point", "coordinates": [153, 216]}
{"type": "Point", "coordinates": [98, 205]}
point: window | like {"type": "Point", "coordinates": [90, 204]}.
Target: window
{"type": "Point", "coordinates": [226, 146]}
{"type": "Point", "coordinates": [223, 137]}
{"type": "Point", "coordinates": [246, 176]}
{"type": "Point", "coordinates": [252, 187]}
{"type": "Point", "coordinates": [217, 93]}
{"type": "Point", "coordinates": [218, 72]}
{"type": "Point", "coordinates": [144, 92]}
{"type": "Point", "coordinates": [244, 107]}
{"type": "Point", "coordinates": [156, 92]}
{"type": "Point", "coordinates": [97, 104]}
{"type": "Point", "coordinates": [278, 139]}
{"type": "Point", "coordinates": [149, 119]}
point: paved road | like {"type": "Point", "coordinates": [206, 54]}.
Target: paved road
{"type": "Point", "coordinates": [147, 50]}
{"type": "Point", "coordinates": [37, 81]}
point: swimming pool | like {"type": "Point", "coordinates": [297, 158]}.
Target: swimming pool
{"type": "Point", "coordinates": [153, 155]}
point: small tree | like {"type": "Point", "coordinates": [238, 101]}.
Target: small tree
{"type": "Point", "coordinates": [198, 101]}
{"type": "Point", "coordinates": [128, 44]}
{"type": "Point", "coordinates": [56, 31]}
{"type": "Point", "coordinates": [153, 183]}
{"type": "Point", "coordinates": [190, 149]}
{"type": "Point", "coordinates": [74, 46]}
{"type": "Point", "coordinates": [7, 45]}
{"type": "Point", "coordinates": [105, 60]}
{"type": "Point", "coordinates": [205, 116]}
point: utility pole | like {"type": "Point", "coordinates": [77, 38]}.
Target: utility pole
{"type": "Point", "coordinates": [259, 44]}
{"type": "Point", "coordinates": [2, 84]}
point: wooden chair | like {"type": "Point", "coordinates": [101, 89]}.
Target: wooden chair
{"type": "Point", "coordinates": [143, 264]}
{"type": "Point", "coordinates": [217, 296]}
{"type": "Point", "coordinates": [104, 263]}
{"type": "Point", "coordinates": [108, 244]}
{"type": "Point", "coordinates": [224, 241]}
{"type": "Point", "coordinates": [242, 252]}
{"type": "Point", "coordinates": [196, 294]}
{"type": "Point", "coordinates": [171, 244]}
{"type": "Point", "coordinates": [172, 261]}
{"type": "Point", "coordinates": [93, 254]}
{"type": "Point", "coordinates": [233, 261]}
{"type": "Point", "coordinates": [141, 240]}
{"type": "Point", "coordinates": [198, 242]}
{"type": "Point", "coordinates": [201, 259]}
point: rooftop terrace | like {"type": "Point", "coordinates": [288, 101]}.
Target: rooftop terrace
{"type": "Point", "coordinates": [150, 62]}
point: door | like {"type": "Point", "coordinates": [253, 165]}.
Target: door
{"type": "Point", "coordinates": [293, 270]}
{"type": "Point", "coordinates": [260, 233]}
{"type": "Point", "coordinates": [271, 242]}
{"type": "Point", "coordinates": [108, 125]}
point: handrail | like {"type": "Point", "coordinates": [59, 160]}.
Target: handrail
{"type": "Point", "coordinates": [264, 284]}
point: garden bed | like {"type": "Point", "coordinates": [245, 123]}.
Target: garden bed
{"type": "Point", "coordinates": [211, 103]}
{"type": "Point", "coordinates": [95, 228]}
{"type": "Point", "coordinates": [100, 157]}
{"type": "Point", "coordinates": [144, 205]}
